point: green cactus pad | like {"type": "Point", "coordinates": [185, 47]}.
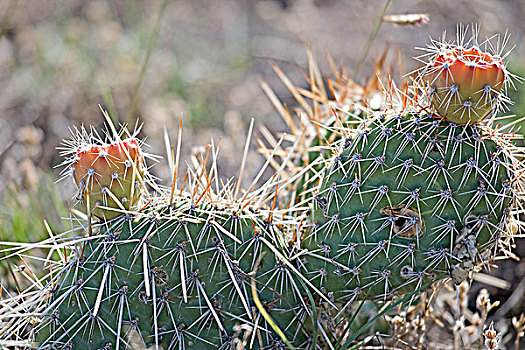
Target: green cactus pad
{"type": "Point", "coordinates": [196, 294]}
{"type": "Point", "coordinates": [405, 199]}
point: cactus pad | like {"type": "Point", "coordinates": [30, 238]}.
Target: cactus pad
{"type": "Point", "coordinates": [405, 199]}
{"type": "Point", "coordinates": [179, 276]}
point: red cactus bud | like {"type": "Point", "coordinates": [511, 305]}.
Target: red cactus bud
{"type": "Point", "coordinates": [106, 173]}
{"type": "Point", "coordinates": [465, 84]}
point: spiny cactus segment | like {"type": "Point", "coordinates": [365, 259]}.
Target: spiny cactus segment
{"type": "Point", "coordinates": [467, 79]}
{"type": "Point", "coordinates": [193, 268]}
{"type": "Point", "coordinates": [176, 277]}
{"type": "Point", "coordinates": [406, 198]}
{"type": "Point", "coordinates": [409, 195]}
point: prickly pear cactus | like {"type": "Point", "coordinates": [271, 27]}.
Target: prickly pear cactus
{"type": "Point", "coordinates": [407, 198]}
{"type": "Point", "coordinates": [180, 271]}
{"type": "Point", "coordinates": [381, 204]}
{"type": "Point", "coordinates": [411, 196]}
{"type": "Point", "coordinates": [179, 276]}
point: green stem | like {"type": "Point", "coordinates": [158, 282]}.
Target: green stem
{"type": "Point", "coordinates": [372, 37]}
{"type": "Point", "coordinates": [263, 311]}
{"type": "Point", "coordinates": [153, 39]}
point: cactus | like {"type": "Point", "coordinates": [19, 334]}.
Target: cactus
{"type": "Point", "coordinates": [182, 270]}
{"type": "Point", "coordinates": [410, 196]}
{"type": "Point", "coordinates": [382, 204]}
{"type": "Point", "coordinates": [407, 198]}
{"type": "Point", "coordinates": [178, 276]}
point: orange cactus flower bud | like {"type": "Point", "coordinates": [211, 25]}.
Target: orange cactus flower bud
{"type": "Point", "coordinates": [466, 83]}
{"type": "Point", "coordinates": [107, 174]}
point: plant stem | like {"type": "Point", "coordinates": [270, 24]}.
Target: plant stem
{"type": "Point", "coordinates": [372, 37]}
{"type": "Point", "coordinates": [153, 39]}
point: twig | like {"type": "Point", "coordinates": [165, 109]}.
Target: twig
{"type": "Point", "coordinates": [372, 37]}
{"type": "Point", "coordinates": [152, 41]}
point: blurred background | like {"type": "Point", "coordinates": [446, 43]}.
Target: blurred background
{"type": "Point", "coordinates": [60, 59]}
